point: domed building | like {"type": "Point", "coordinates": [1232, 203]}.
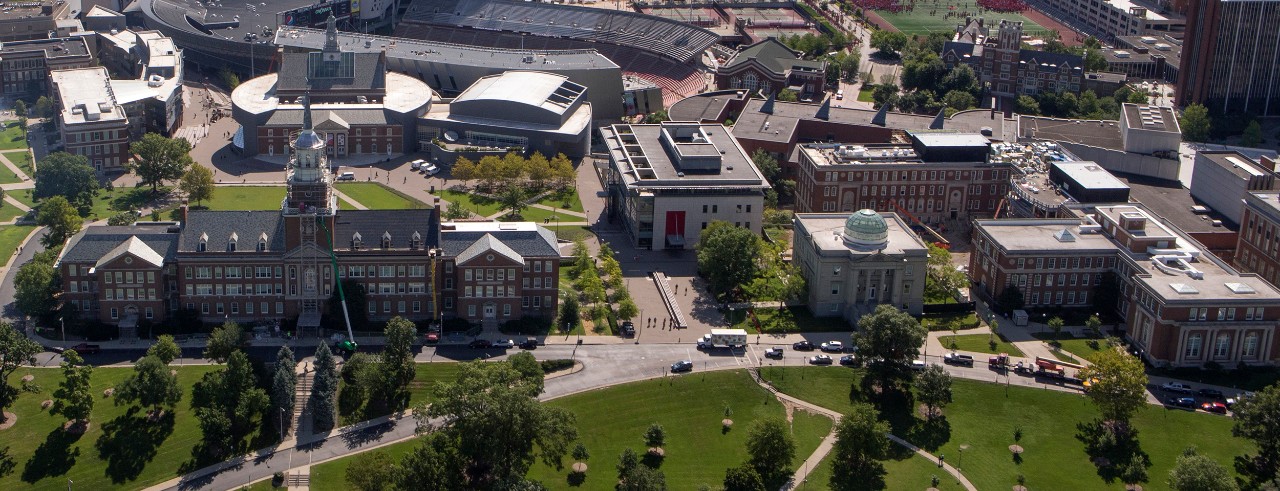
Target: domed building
{"type": "Point", "coordinates": [854, 262]}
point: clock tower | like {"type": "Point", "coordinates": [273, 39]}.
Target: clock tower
{"type": "Point", "coordinates": [309, 181]}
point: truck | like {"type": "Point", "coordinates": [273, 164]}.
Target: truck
{"type": "Point", "coordinates": [723, 338]}
{"type": "Point", "coordinates": [998, 362]}
{"type": "Point", "coordinates": [957, 359]}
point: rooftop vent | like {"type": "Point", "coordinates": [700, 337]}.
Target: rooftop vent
{"type": "Point", "coordinates": [1183, 288]}
{"type": "Point", "coordinates": [1064, 235]}
{"type": "Point", "coordinates": [1240, 288]}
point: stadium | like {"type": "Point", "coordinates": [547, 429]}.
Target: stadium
{"type": "Point", "coordinates": [661, 50]}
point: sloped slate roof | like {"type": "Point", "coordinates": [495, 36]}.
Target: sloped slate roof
{"type": "Point", "coordinates": [95, 242]}
{"type": "Point", "coordinates": [133, 245]}
{"type": "Point", "coordinates": [486, 244]}
{"type": "Point", "coordinates": [219, 225]}
{"type": "Point", "coordinates": [526, 243]}
{"type": "Point", "coordinates": [371, 224]}
{"type": "Point", "coordinates": [771, 53]}
{"type": "Point", "coordinates": [369, 69]}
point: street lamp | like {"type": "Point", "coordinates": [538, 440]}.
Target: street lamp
{"type": "Point", "coordinates": [960, 461]}
{"type": "Point", "coordinates": [281, 423]}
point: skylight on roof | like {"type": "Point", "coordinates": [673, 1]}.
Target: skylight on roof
{"type": "Point", "coordinates": [1240, 288]}
{"type": "Point", "coordinates": [1183, 288]}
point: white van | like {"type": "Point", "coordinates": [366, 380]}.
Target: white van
{"type": "Point", "coordinates": [416, 164]}
{"type": "Point", "coordinates": [347, 176]}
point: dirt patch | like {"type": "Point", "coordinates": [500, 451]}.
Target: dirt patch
{"type": "Point", "coordinates": [109, 392]}
{"type": "Point", "coordinates": [46, 403]}
{"type": "Point", "coordinates": [28, 378]}
{"type": "Point", "coordinates": [580, 467]}
{"type": "Point", "coordinates": [1016, 449]}
{"type": "Point", "coordinates": [10, 419]}
{"type": "Point", "coordinates": [76, 427]}
{"type": "Point", "coordinates": [875, 18]}
{"type": "Point", "coordinates": [1066, 33]}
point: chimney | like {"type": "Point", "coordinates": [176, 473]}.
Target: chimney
{"type": "Point", "coordinates": [184, 211]}
{"type": "Point", "coordinates": [435, 204]}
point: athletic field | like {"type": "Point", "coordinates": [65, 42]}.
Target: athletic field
{"type": "Point", "coordinates": [931, 16]}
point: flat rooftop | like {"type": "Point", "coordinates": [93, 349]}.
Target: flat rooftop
{"type": "Point", "coordinates": [780, 125]}
{"type": "Point", "coordinates": [645, 160]}
{"type": "Point", "coordinates": [1171, 201]}
{"type": "Point", "coordinates": [437, 52]}
{"type": "Point", "coordinates": [52, 48]}
{"type": "Point", "coordinates": [1097, 133]}
{"type": "Point", "coordinates": [1268, 202]}
{"type": "Point", "coordinates": [826, 231]}
{"type": "Point", "coordinates": [951, 140]}
{"type": "Point", "coordinates": [1044, 234]}
{"type": "Point", "coordinates": [826, 154]}
{"type": "Point", "coordinates": [1154, 118]}
{"type": "Point", "coordinates": [1153, 10]}
{"type": "Point", "coordinates": [1234, 162]}
{"type": "Point", "coordinates": [1090, 175]}
{"type": "Point", "coordinates": [86, 96]}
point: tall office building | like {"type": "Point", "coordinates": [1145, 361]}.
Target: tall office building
{"type": "Point", "coordinates": [1231, 56]}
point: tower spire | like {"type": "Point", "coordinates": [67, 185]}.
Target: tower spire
{"type": "Point", "coordinates": [331, 33]}
{"type": "Point", "coordinates": [306, 111]}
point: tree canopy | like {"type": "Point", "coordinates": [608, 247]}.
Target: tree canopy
{"type": "Point", "coordinates": [1195, 123]}
{"type": "Point", "coordinates": [888, 42]}
{"type": "Point", "coordinates": [933, 387]}
{"type": "Point", "coordinates": [228, 403]}
{"type": "Point", "coordinates": [323, 389]}
{"type": "Point", "coordinates": [1195, 472]}
{"type": "Point", "coordinates": [197, 184]}
{"type": "Point", "coordinates": [1257, 418]}
{"type": "Point", "coordinates": [770, 449]}
{"type": "Point", "coordinates": [62, 221]}
{"type": "Point", "coordinates": [73, 398]}
{"type": "Point", "coordinates": [397, 368]}
{"type": "Point", "coordinates": [891, 335]}
{"type": "Point", "coordinates": [1118, 386]}
{"type": "Point", "coordinates": [66, 175]}
{"type": "Point", "coordinates": [15, 350]}
{"type": "Point", "coordinates": [860, 446]}
{"type": "Point", "coordinates": [151, 385]}
{"type": "Point", "coordinates": [165, 348]}
{"type": "Point", "coordinates": [35, 286]}
{"type": "Point", "coordinates": [223, 341]}
{"type": "Point", "coordinates": [727, 255]}
{"type": "Point", "coordinates": [159, 159]}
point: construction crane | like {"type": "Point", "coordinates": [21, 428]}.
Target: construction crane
{"type": "Point", "coordinates": [349, 345]}
{"type": "Point", "coordinates": [939, 240]}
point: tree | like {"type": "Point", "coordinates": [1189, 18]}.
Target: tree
{"type": "Point", "coordinates": [743, 478]}
{"type": "Point", "coordinates": [499, 425]}
{"type": "Point", "coordinates": [165, 348]}
{"type": "Point", "coordinates": [1055, 325]}
{"type": "Point", "coordinates": [1011, 298]}
{"type": "Point", "coordinates": [655, 436]}
{"type": "Point", "coordinates": [959, 100]}
{"type": "Point", "coordinates": [433, 465]}
{"type": "Point", "coordinates": [464, 169]}
{"type": "Point", "coordinates": [962, 78]}
{"type": "Point", "coordinates": [530, 369]}
{"type": "Point", "coordinates": [35, 288]}
{"type": "Point", "coordinates": [15, 351]}
{"type": "Point", "coordinates": [284, 383]}
{"type": "Point", "coordinates": [228, 403]}
{"type": "Point", "coordinates": [1119, 385]}
{"type": "Point", "coordinates": [656, 117]}
{"type": "Point", "coordinates": [933, 387]}
{"type": "Point", "coordinates": [197, 184]}
{"type": "Point", "coordinates": [512, 198]}
{"type": "Point", "coordinates": [788, 95]}
{"type": "Point", "coordinates": [770, 449]}
{"type": "Point", "coordinates": [627, 308]}
{"type": "Point", "coordinates": [1195, 123]}
{"type": "Point", "coordinates": [944, 280]}
{"type": "Point", "coordinates": [323, 389]}
{"type": "Point", "coordinates": [20, 108]}
{"type": "Point", "coordinates": [122, 218]}
{"type": "Point", "coordinates": [627, 462]}
{"type": "Point", "coordinates": [371, 471]}
{"type": "Point", "coordinates": [1094, 61]}
{"type": "Point", "coordinates": [397, 369]}
{"type": "Point", "coordinates": [73, 399]}
{"type": "Point", "coordinates": [44, 107]}
{"type": "Point", "coordinates": [849, 66]}
{"type": "Point", "coordinates": [151, 385]}
{"type": "Point", "coordinates": [889, 43]}
{"type": "Point", "coordinates": [570, 313]}
{"type": "Point", "coordinates": [767, 164]}
{"type": "Point", "coordinates": [580, 452]}
{"type": "Point", "coordinates": [1195, 472]}
{"type": "Point", "coordinates": [859, 447]}
{"type": "Point", "coordinates": [1252, 135]}
{"type": "Point", "coordinates": [1093, 324]}
{"type": "Point", "coordinates": [890, 335]}
{"type": "Point", "coordinates": [1026, 104]}
{"type": "Point", "coordinates": [223, 341]}
{"type": "Point", "coordinates": [1257, 418]}
{"type": "Point", "coordinates": [62, 221]}
{"type": "Point", "coordinates": [66, 175]}
{"type": "Point", "coordinates": [158, 159]}
{"type": "Point", "coordinates": [727, 255]}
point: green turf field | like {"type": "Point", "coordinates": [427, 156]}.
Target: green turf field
{"type": "Point", "coordinates": [919, 21]}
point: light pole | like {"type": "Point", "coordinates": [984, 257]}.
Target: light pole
{"type": "Point", "coordinates": [281, 423]}
{"type": "Point", "coordinates": [69, 483]}
{"type": "Point", "coordinates": [960, 461]}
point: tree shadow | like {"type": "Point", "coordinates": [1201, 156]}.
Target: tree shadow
{"type": "Point", "coordinates": [7, 465]}
{"type": "Point", "coordinates": [576, 479]}
{"type": "Point", "coordinates": [652, 460]}
{"type": "Point", "coordinates": [1111, 447]}
{"type": "Point", "coordinates": [130, 441]}
{"type": "Point", "coordinates": [54, 457]}
{"type": "Point", "coordinates": [931, 434]}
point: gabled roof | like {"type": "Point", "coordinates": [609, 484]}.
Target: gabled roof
{"type": "Point", "coordinates": [526, 239]}
{"type": "Point", "coordinates": [773, 55]}
{"type": "Point", "coordinates": [96, 241]}
{"type": "Point", "coordinates": [486, 244]}
{"type": "Point", "coordinates": [373, 225]}
{"type": "Point", "coordinates": [137, 248]}
{"type": "Point", "coordinates": [219, 225]}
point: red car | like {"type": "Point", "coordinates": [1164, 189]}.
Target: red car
{"type": "Point", "coordinates": [86, 349]}
{"type": "Point", "coordinates": [1214, 407]}
{"type": "Point", "coordinates": [433, 336]}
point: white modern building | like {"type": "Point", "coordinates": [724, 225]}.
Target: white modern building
{"type": "Point", "coordinates": [1222, 179]}
{"type": "Point", "coordinates": [853, 263]}
{"type": "Point", "coordinates": [1149, 130]}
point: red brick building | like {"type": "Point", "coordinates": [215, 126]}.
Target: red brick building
{"type": "Point", "coordinates": [1258, 249]}
{"type": "Point", "coordinates": [770, 66]}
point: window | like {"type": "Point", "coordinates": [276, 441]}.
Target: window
{"type": "Point", "coordinates": [448, 302]}
{"type": "Point", "coordinates": [1194, 342]}
{"type": "Point", "coordinates": [417, 306]}
{"type": "Point", "coordinates": [506, 310]}
{"type": "Point", "coordinates": [1250, 348]}
{"type": "Point", "coordinates": [471, 310]}
{"type": "Point", "coordinates": [466, 275]}
{"type": "Point", "coordinates": [115, 314]}
{"type": "Point", "coordinates": [1222, 313]}
{"type": "Point", "coordinates": [400, 306]}
{"type": "Point", "coordinates": [149, 313]}
{"type": "Point", "coordinates": [1222, 346]}
{"type": "Point", "coordinates": [835, 288]}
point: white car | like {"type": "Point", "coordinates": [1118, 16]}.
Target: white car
{"type": "Point", "coordinates": [832, 346]}
{"type": "Point", "coordinates": [416, 164]}
{"type": "Point", "coordinates": [430, 169]}
{"type": "Point", "coordinates": [918, 365]}
{"type": "Point", "coordinates": [1177, 388]}
{"type": "Point", "coordinates": [504, 344]}
{"type": "Point", "coordinates": [347, 176]}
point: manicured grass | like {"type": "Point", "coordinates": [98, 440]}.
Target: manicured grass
{"type": "Point", "coordinates": [12, 137]}
{"type": "Point", "coordinates": [120, 449]}
{"type": "Point", "coordinates": [864, 94]}
{"type": "Point", "coordinates": [778, 235]}
{"type": "Point", "coordinates": [23, 196]}
{"type": "Point", "coordinates": [23, 161]}
{"type": "Point", "coordinates": [262, 486]}
{"type": "Point", "coordinates": [476, 204]}
{"type": "Point", "coordinates": [1063, 356]}
{"type": "Point", "coordinates": [979, 343]}
{"type": "Point", "coordinates": [919, 21]}
{"type": "Point", "coordinates": [8, 177]}
{"type": "Point", "coordinates": [983, 416]}
{"type": "Point", "coordinates": [790, 319]}
{"type": "Point", "coordinates": [690, 409]}
{"type": "Point", "coordinates": [903, 472]}
{"type": "Point", "coordinates": [107, 203]}
{"type": "Point", "coordinates": [10, 237]}
{"type": "Point", "coordinates": [240, 198]}
{"type": "Point", "coordinates": [572, 232]}
{"type": "Point", "coordinates": [569, 201]}
{"type": "Point", "coordinates": [539, 215]}
{"type": "Point", "coordinates": [376, 196]}
{"type": "Point", "coordinates": [943, 322]}
{"type": "Point", "coordinates": [332, 475]}
{"type": "Point", "coordinates": [1080, 347]}
{"type": "Point", "coordinates": [8, 212]}
{"type": "Point", "coordinates": [345, 205]}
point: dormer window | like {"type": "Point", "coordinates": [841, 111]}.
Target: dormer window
{"type": "Point", "coordinates": [356, 241]}
{"type": "Point", "coordinates": [415, 242]}
{"type": "Point", "coordinates": [231, 243]}
{"type": "Point", "coordinates": [262, 242]}
{"type": "Point", "coordinates": [203, 244]}
{"type": "Point", "coordinates": [386, 240]}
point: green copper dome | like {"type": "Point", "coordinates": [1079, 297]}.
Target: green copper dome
{"type": "Point", "coordinates": [866, 228]}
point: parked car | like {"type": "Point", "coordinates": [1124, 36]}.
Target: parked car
{"type": "Point", "coordinates": [628, 329]}
{"type": "Point", "coordinates": [430, 169]}
{"type": "Point", "coordinates": [849, 360]}
{"type": "Point", "coordinates": [832, 346]}
{"type": "Point", "coordinates": [803, 346]}
{"type": "Point", "coordinates": [918, 365]}
{"type": "Point", "coordinates": [504, 344]}
{"type": "Point", "coordinates": [1183, 402]}
{"type": "Point", "coordinates": [820, 360]}
{"type": "Point", "coordinates": [416, 164]}
{"type": "Point", "coordinates": [957, 359]}
{"type": "Point", "coordinates": [1210, 393]}
{"type": "Point", "coordinates": [1232, 401]}
{"type": "Point", "coordinates": [432, 337]}
{"type": "Point", "coordinates": [480, 344]}
{"type": "Point", "coordinates": [347, 176]}
{"type": "Point", "coordinates": [1176, 388]}
{"type": "Point", "coordinates": [87, 349]}
{"type": "Point", "coordinates": [1214, 407]}
{"type": "Point", "coordinates": [774, 352]}
{"type": "Point", "coordinates": [840, 95]}
{"type": "Point", "coordinates": [682, 366]}
{"type": "Point", "coordinates": [529, 343]}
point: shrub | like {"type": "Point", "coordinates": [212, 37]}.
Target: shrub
{"type": "Point", "coordinates": [549, 366]}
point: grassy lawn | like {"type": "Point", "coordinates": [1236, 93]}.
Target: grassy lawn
{"type": "Point", "coordinates": [479, 205]}
{"type": "Point", "coordinates": [236, 198]}
{"type": "Point", "coordinates": [790, 319]}
{"type": "Point", "coordinates": [12, 137]}
{"type": "Point", "coordinates": [864, 94]}
{"type": "Point", "coordinates": [23, 161]}
{"type": "Point", "coordinates": [23, 196]}
{"type": "Point", "coordinates": [10, 237]}
{"type": "Point", "coordinates": [943, 322]}
{"type": "Point", "coordinates": [9, 212]}
{"type": "Point", "coordinates": [345, 205]}
{"type": "Point", "coordinates": [540, 215]}
{"type": "Point", "coordinates": [119, 450]}
{"type": "Point", "coordinates": [690, 409]}
{"type": "Point", "coordinates": [109, 202]}
{"type": "Point", "coordinates": [420, 390]}
{"type": "Point", "coordinates": [920, 22]}
{"type": "Point", "coordinates": [983, 415]}
{"type": "Point", "coordinates": [376, 196]}
{"type": "Point", "coordinates": [1080, 347]}
{"type": "Point", "coordinates": [332, 475]}
{"type": "Point", "coordinates": [903, 472]}
{"type": "Point", "coordinates": [979, 343]}
{"type": "Point", "coordinates": [8, 177]}
{"type": "Point", "coordinates": [778, 235]}
{"type": "Point", "coordinates": [572, 232]}
{"type": "Point", "coordinates": [262, 486]}
{"type": "Point", "coordinates": [569, 202]}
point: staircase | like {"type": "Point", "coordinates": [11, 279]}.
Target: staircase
{"type": "Point", "coordinates": [302, 393]}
